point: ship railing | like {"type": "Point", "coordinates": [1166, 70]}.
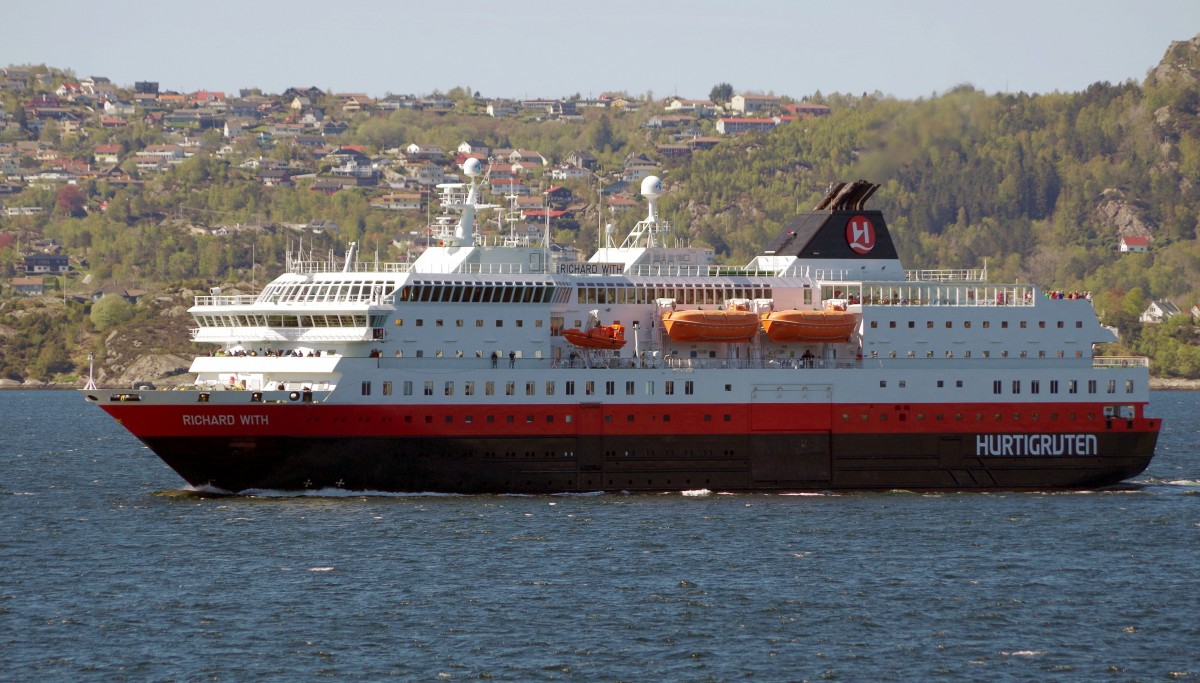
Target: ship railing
{"type": "Point", "coordinates": [1120, 362]}
{"type": "Point", "coordinates": [947, 275]}
{"type": "Point", "coordinates": [226, 300]}
{"type": "Point", "coordinates": [265, 334]}
{"type": "Point", "coordinates": [309, 267]}
{"type": "Point", "coordinates": [946, 294]}
{"type": "Point", "coordinates": [594, 361]}
{"type": "Point", "coordinates": [682, 270]}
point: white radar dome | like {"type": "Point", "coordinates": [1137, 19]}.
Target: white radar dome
{"type": "Point", "coordinates": [471, 167]}
{"type": "Point", "coordinates": [652, 187]}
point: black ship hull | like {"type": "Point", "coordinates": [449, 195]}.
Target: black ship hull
{"type": "Point", "coordinates": [755, 462]}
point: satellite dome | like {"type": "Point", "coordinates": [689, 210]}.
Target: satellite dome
{"type": "Point", "coordinates": [652, 187]}
{"type": "Point", "coordinates": [471, 167]}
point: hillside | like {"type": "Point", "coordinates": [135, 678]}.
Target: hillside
{"type": "Point", "coordinates": [1041, 188]}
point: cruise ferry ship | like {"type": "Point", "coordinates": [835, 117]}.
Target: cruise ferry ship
{"type": "Point", "coordinates": [487, 366]}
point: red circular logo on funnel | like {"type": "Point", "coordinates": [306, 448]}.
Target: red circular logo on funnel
{"type": "Point", "coordinates": [860, 234]}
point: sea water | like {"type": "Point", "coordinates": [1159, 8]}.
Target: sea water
{"type": "Point", "coordinates": [111, 570]}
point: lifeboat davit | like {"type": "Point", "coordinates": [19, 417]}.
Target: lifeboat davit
{"type": "Point", "coordinates": [817, 326]}
{"type": "Point", "coordinates": [601, 337]}
{"type": "Point", "coordinates": [710, 326]}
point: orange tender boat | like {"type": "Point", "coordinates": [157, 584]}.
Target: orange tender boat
{"type": "Point", "coordinates": [713, 326]}
{"type": "Point", "coordinates": [602, 337]}
{"type": "Point", "coordinates": [817, 326]}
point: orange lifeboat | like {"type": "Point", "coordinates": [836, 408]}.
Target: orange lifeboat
{"type": "Point", "coordinates": [817, 326]}
{"type": "Point", "coordinates": [601, 337]}
{"type": "Point", "coordinates": [710, 326]}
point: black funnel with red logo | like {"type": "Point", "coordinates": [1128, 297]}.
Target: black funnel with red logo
{"type": "Point", "coordinates": [838, 228]}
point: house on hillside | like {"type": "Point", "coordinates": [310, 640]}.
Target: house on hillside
{"type": "Point", "coordinates": [1159, 311]}
{"type": "Point", "coordinates": [130, 295]}
{"type": "Point", "coordinates": [747, 104]}
{"type": "Point", "coordinates": [1134, 243]}
{"type": "Point", "coordinates": [46, 263]}
{"type": "Point", "coordinates": [29, 286]}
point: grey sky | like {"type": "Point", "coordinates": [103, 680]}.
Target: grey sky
{"type": "Point", "coordinates": [551, 48]}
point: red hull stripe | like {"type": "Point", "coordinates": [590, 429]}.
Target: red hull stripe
{"type": "Point", "coordinates": [323, 420]}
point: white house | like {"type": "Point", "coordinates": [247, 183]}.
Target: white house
{"type": "Point", "coordinates": [1159, 311]}
{"type": "Point", "coordinates": [1134, 243]}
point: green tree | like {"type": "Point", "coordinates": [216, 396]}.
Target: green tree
{"type": "Point", "coordinates": [721, 93]}
{"type": "Point", "coordinates": [111, 311]}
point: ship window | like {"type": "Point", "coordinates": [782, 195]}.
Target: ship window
{"type": "Point", "coordinates": [958, 384]}
{"type": "Point", "coordinates": [967, 353]}
{"type": "Point", "coordinates": [570, 388]}
{"type": "Point", "coordinates": [1054, 386]}
{"type": "Point", "coordinates": [1016, 386]}
{"type": "Point", "coordinates": [408, 387]}
{"type": "Point", "coordinates": [940, 384]}
{"type": "Point", "coordinates": [902, 383]}
{"type": "Point", "coordinates": [997, 386]}
{"type": "Point", "coordinates": [967, 324]}
{"type": "Point", "coordinates": [387, 387]}
{"type": "Point", "coordinates": [987, 324]}
{"type": "Point", "coordinates": [449, 389]}
{"type": "Point", "coordinates": [510, 388]}
{"type": "Point", "coordinates": [1072, 386]}
{"type": "Point", "coordinates": [1041, 324]}
{"type": "Point", "coordinates": [530, 388]}
{"type": "Point", "coordinates": [366, 388]}
{"type": "Point", "coordinates": [520, 323]}
{"type": "Point", "coordinates": [666, 417]}
{"type": "Point", "coordinates": [1035, 386]}
{"type": "Point", "coordinates": [874, 324]}
{"type": "Point", "coordinates": [549, 387]}
{"type": "Point", "coordinates": [650, 387]}
{"type": "Point", "coordinates": [669, 387]}
{"type": "Point", "coordinates": [439, 323]}
{"type": "Point", "coordinates": [468, 388]}
{"type": "Point", "coordinates": [1091, 386]}
{"type": "Point", "coordinates": [912, 324]}
{"type": "Point", "coordinates": [1024, 353]}
{"type": "Point", "coordinates": [489, 388]}
{"type": "Point", "coordinates": [1129, 386]}
{"type": "Point", "coordinates": [437, 354]}
{"type": "Point", "coordinates": [499, 323]}
{"type": "Point", "coordinates": [1078, 324]}
{"type": "Point", "coordinates": [610, 388]}
{"type": "Point", "coordinates": [420, 323]}
{"type": "Point", "coordinates": [1112, 386]}
{"type": "Point", "coordinates": [728, 417]}
{"type": "Point", "coordinates": [478, 323]}
{"type": "Point", "coordinates": [1079, 354]}
{"type": "Point", "coordinates": [949, 324]}
{"type": "Point", "coordinates": [589, 388]}
{"type": "Point", "coordinates": [1023, 324]}
{"type": "Point", "coordinates": [688, 387]}
{"type": "Point", "coordinates": [458, 323]}
{"type": "Point", "coordinates": [882, 383]}
{"type": "Point", "coordinates": [630, 388]}
{"type": "Point", "coordinates": [1004, 324]}
{"type": "Point", "coordinates": [429, 387]}
{"type": "Point", "coordinates": [892, 324]}
{"type": "Point", "coordinates": [728, 387]}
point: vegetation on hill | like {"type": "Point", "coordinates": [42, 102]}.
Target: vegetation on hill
{"type": "Point", "coordinates": [1041, 188]}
